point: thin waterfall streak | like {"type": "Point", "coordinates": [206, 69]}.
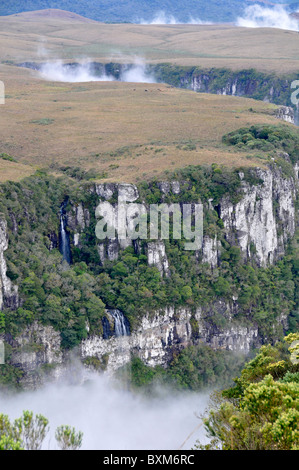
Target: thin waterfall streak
{"type": "Point", "coordinates": [64, 239]}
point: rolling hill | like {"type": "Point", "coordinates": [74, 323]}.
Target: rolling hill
{"type": "Point", "coordinates": [52, 13]}
{"type": "Point", "coordinates": [29, 36]}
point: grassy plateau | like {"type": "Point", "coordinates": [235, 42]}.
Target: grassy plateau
{"type": "Point", "coordinates": [127, 131]}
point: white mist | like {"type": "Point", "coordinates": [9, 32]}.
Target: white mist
{"type": "Point", "coordinates": [112, 418]}
{"type": "Point", "coordinates": [78, 73]}
{"type": "Point", "coordinates": [256, 16]}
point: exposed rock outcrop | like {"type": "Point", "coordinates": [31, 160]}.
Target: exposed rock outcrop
{"type": "Point", "coordinates": [156, 256]}
{"type": "Point", "coordinates": [170, 186]}
{"type": "Point", "coordinates": [8, 292]}
{"type": "Point", "coordinates": [261, 223]}
{"type": "Point", "coordinates": [54, 240]}
{"type": "Point", "coordinates": [264, 219]}
{"type": "Point", "coordinates": [37, 352]}
{"type": "Point", "coordinates": [210, 251]}
{"type": "Point", "coordinates": [247, 83]}
{"type": "Point", "coordinates": [161, 334]}
{"type": "Point", "coordinates": [286, 113]}
{"type": "Point", "coordinates": [109, 248]}
{"type": "Point", "coordinates": [78, 220]}
{"type": "Point", "coordinates": [207, 83]}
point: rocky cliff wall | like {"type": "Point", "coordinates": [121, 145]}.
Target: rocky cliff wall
{"type": "Point", "coordinates": [246, 83]}
{"type": "Point", "coordinates": [8, 292]}
{"type": "Point", "coordinates": [37, 351]}
{"type": "Point", "coordinates": [265, 218]}
{"type": "Point", "coordinates": [261, 223]}
{"type": "Point", "coordinates": [162, 334]}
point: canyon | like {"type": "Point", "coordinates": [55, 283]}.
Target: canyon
{"type": "Point", "coordinates": [261, 223]}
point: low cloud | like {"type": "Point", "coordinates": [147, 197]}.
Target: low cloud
{"type": "Point", "coordinates": [137, 73]}
{"type": "Point", "coordinates": [256, 16]}
{"type": "Point", "coordinates": [57, 71]}
{"type": "Point", "coordinates": [161, 18]}
{"type": "Point", "coordinates": [113, 418]}
{"type": "Point", "coordinates": [60, 72]}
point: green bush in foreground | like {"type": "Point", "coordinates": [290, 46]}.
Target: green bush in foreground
{"type": "Point", "coordinates": [262, 411]}
{"type": "Point", "coordinates": [29, 432]}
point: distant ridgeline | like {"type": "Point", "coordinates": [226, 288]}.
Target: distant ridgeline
{"type": "Point", "coordinates": [151, 299]}
{"type": "Point", "coordinates": [130, 11]}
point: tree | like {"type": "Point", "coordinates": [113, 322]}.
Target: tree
{"type": "Point", "coordinates": [221, 286]}
{"type": "Point", "coordinates": [68, 438]}
{"type": "Point", "coordinates": [9, 438]}
{"type": "Point", "coordinates": [261, 411]}
{"type": "Point", "coordinates": [28, 433]}
{"type": "Point", "coordinates": [8, 443]}
{"type": "Point", "coordinates": [31, 430]}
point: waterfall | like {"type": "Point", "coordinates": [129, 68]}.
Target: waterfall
{"type": "Point", "coordinates": [64, 241]}
{"type": "Point", "coordinates": [121, 324]}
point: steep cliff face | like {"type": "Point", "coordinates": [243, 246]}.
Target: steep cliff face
{"type": "Point", "coordinates": [250, 88]}
{"type": "Point", "coordinates": [286, 113]}
{"type": "Point", "coordinates": [260, 223]}
{"type": "Point", "coordinates": [78, 220]}
{"type": "Point", "coordinates": [8, 292]}
{"type": "Point", "coordinates": [37, 352]}
{"type": "Point", "coordinates": [211, 248]}
{"type": "Point", "coordinates": [260, 217]}
{"type": "Point", "coordinates": [264, 219]}
{"type": "Point", "coordinates": [249, 83]}
{"type": "Point", "coordinates": [161, 334]}
{"type": "Point", "coordinates": [156, 256]}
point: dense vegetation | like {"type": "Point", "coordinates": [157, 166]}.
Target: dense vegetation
{"type": "Point", "coordinates": [261, 412]}
{"type": "Point", "coordinates": [197, 367]}
{"type": "Point", "coordinates": [5, 156]}
{"type": "Point", "coordinates": [269, 139]}
{"type": "Point", "coordinates": [72, 298]}
{"type": "Point", "coordinates": [130, 11]}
